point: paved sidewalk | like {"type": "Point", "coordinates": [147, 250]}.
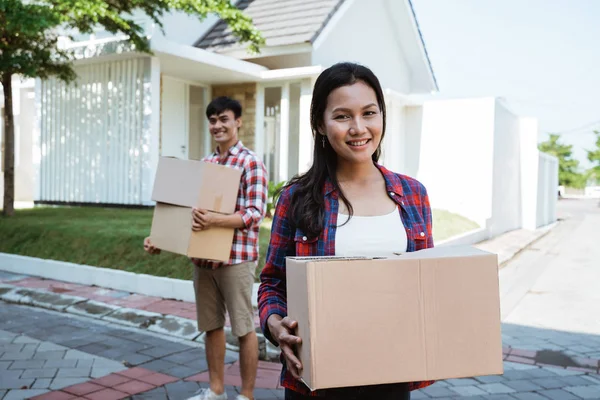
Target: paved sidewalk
{"type": "Point", "coordinates": [509, 244]}
{"type": "Point", "coordinates": [39, 347]}
{"type": "Point", "coordinates": [143, 365]}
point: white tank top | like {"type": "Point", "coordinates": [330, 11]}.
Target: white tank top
{"type": "Point", "coordinates": [381, 235]}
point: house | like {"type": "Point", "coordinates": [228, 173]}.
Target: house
{"type": "Point", "coordinates": [100, 140]}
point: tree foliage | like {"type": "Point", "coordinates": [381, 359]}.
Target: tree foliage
{"type": "Point", "coordinates": [594, 157]}
{"type": "Point", "coordinates": [29, 34]}
{"type": "Point", "coordinates": [568, 167]}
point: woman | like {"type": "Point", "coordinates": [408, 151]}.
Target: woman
{"type": "Point", "coordinates": [344, 196]}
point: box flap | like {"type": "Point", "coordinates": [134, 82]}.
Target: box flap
{"type": "Point", "coordinates": [190, 183]}
{"type": "Point", "coordinates": [330, 258]}
{"type": "Point", "coordinates": [445, 251]}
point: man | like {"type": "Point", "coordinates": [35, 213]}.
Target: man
{"type": "Point", "coordinates": [229, 286]}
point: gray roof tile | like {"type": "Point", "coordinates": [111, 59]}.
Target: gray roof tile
{"type": "Point", "coordinates": [282, 22]}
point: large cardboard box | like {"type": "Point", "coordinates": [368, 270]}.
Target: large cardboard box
{"type": "Point", "coordinates": [181, 185]}
{"type": "Point", "coordinates": [431, 314]}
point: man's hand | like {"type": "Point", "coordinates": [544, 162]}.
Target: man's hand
{"type": "Point", "coordinates": [149, 247]}
{"type": "Point", "coordinates": [202, 219]}
{"type": "Point", "coordinates": [281, 330]}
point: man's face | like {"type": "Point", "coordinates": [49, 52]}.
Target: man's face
{"type": "Point", "coordinates": [224, 127]}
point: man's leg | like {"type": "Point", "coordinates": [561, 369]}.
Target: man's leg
{"type": "Point", "coordinates": [235, 282]}
{"type": "Point", "coordinates": [210, 311]}
{"type": "Point", "coordinates": [215, 358]}
{"type": "Point", "coordinates": [248, 362]}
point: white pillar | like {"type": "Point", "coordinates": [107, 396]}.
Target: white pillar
{"type": "Point", "coordinates": [528, 128]}
{"type": "Point", "coordinates": [153, 132]}
{"type": "Point", "coordinates": [259, 123]}
{"type": "Point", "coordinates": [284, 132]}
{"type": "Point", "coordinates": [207, 92]}
{"type": "Point", "coordinates": [305, 141]}
{"type": "Point", "coordinates": [36, 140]}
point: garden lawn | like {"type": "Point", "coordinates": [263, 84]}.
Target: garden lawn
{"type": "Point", "coordinates": [113, 238]}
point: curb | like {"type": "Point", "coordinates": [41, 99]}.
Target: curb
{"type": "Point", "coordinates": [543, 232]}
{"type": "Point", "coordinates": [178, 327]}
{"type": "Point", "coordinates": [148, 285]}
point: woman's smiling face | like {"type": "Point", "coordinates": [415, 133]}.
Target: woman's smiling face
{"type": "Point", "coordinates": [353, 123]}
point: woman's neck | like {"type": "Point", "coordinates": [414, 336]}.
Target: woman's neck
{"type": "Point", "coordinates": [357, 173]}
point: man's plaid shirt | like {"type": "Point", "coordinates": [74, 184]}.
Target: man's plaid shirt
{"type": "Point", "coordinates": [287, 241]}
{"type": "Point", "coordinates": [251, 203]}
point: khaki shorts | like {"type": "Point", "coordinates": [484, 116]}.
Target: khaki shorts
{"type": "Point", "coordinates": [225, 288]}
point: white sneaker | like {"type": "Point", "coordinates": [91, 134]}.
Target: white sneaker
{"type": "Point", "coordinates": [241, 397]}
{"type": "Point", "coordinates": [207, 394]}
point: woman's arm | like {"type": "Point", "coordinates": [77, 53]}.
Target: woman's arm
{"type": "Point", "coordinates": [427, 217]}
{"type": "Point", "coordinates": [272, 296]}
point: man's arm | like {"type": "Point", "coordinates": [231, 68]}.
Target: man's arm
{"type": "Point", "coordinates": [256, 185]}
{"type": "Point", "coordinates": [252, 211]}
{"type": "Point", "coordinates": [229, 221]}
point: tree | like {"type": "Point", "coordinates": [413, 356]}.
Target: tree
{"type": "Point", "coordinates": [29, 33]}
{"type": "Point", "coordinates": [594, 157]}
{"type": "Point", "coordinates": [568, 174]}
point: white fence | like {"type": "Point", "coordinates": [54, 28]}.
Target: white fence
{"type": "Point", "coordinates": [94, 134]}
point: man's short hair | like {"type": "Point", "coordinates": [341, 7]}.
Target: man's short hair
{"type": "Point", "coordinates": [222, 104]}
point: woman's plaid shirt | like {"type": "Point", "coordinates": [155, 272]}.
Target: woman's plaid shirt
{"type": "Point", "coordinates": [287, 240]}
{"type": "Point", "coordinates": [251, 203]}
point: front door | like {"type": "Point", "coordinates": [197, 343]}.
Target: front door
{"type": "Point", "coordinates": [174, 118]}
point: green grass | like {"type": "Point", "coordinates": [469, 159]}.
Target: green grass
{"type": "Point", "coordinates": [447, 224]}
{"type": "Point", "coordinates": [113, 238]}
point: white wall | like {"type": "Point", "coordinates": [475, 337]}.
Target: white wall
{"type": "Point", "coordinates": [529, 171]}
{"type": "Point", "coordinates": [456, 161]}
{"type": "Point", "coordinates": [506, 198]}
{"type": "Point", "coordinates": [413, 117]}
{"type": "Point", "coordinates": [353, 36]}
{"type": "Point", "coordinates": [182, 28]}
{"type": "Point", "coordinates": [393, 147]}
{"type": "Point", "coordinates": [539, 179]}
{"type": "Point", "coordinates": [547, 189]}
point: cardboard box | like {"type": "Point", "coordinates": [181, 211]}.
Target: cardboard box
{"type": "Point", "coordinates": [432, 314]}
{"type": "Point", "coordinates": [181, 185]}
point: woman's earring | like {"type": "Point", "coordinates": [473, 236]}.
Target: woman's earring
{"type": "Point", "coordinates": [323, 141]}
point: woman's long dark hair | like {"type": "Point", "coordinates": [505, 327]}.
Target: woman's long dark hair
{"type": "Point", "coordinates": [307, 208]}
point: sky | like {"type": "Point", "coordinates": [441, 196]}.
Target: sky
{"type": "Point", "coordinates": [542, 56]}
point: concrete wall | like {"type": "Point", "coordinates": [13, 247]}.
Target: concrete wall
{"type": "Point", "coordinates": [539, 179]}
{"type": "Point", "coordinates": [456, 156]}
{"type": "Point", "coordinates": [547, 189]}
{"type": "Point", "coordinates": [413, 117]}
{"type": "Point", "coordinates": [479, 160]}
{"type": "Point", "coordinates": [392, 155]}
{"type": "Point", "coordinates": [506, 195]}
{"type": "Point", "coordinates": [378, 42]}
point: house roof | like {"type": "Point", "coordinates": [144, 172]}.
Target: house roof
{"type": "Point", "coordinates": [282, 22]}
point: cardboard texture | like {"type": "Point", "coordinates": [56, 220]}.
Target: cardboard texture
{"type": "Point", "coordinates": [432, 314]}
{"type": "Point", "coordinates": [181, 185]}
{"type": "Point", "coordinates": [190, 183]}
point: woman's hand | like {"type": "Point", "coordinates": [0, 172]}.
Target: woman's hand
{"type": "Point", "coordinates": [281, 330]}
{"type": "Point", "coordinates": [149, 247]}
